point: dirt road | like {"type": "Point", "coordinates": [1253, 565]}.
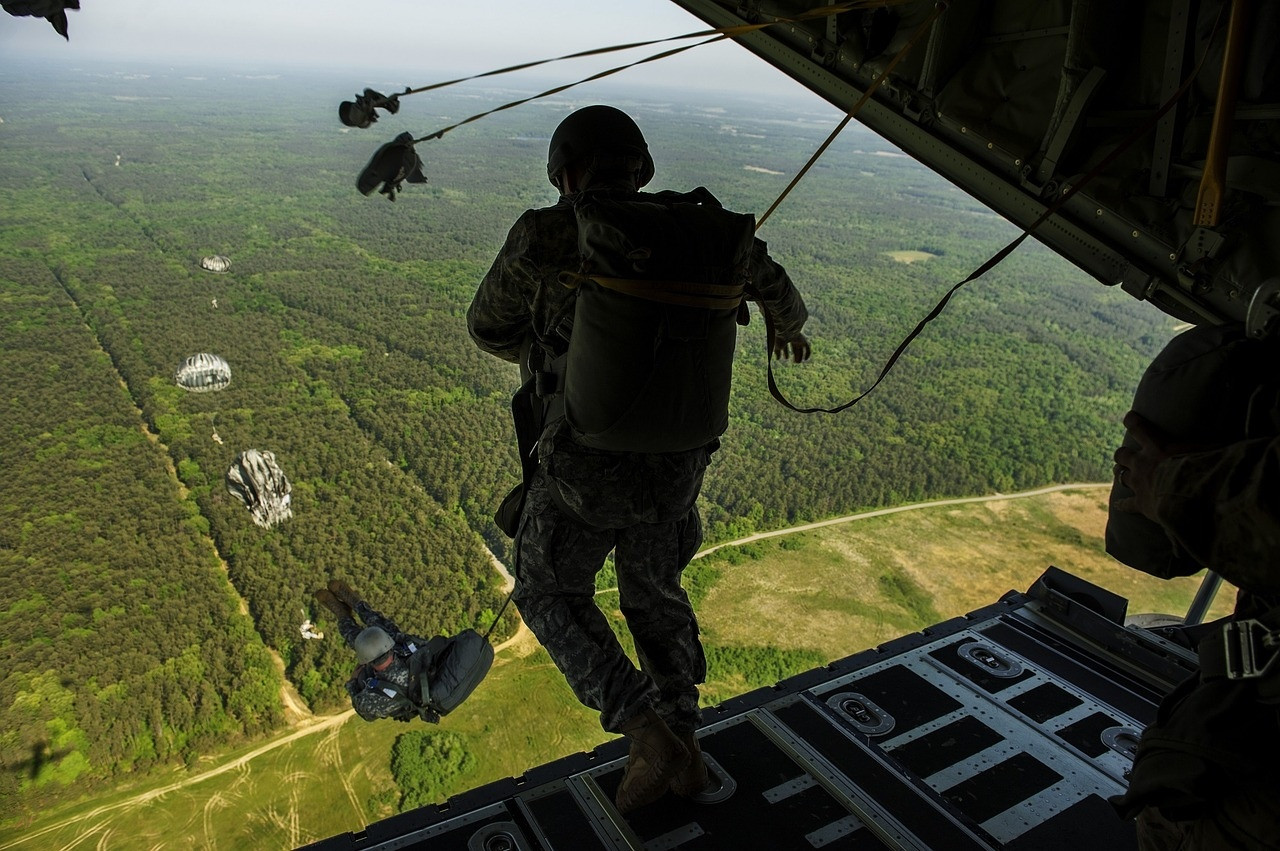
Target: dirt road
{"type": "Point", "coordinates": [915, 506]}
{"type": "Point", "coordinates": [319, 725]}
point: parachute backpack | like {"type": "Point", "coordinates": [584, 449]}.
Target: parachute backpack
{"type": "Point", "coordinates": [660, 292]}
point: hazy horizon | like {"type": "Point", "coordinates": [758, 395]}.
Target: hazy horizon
{"type": "Point", "coordinates": [430, 40]}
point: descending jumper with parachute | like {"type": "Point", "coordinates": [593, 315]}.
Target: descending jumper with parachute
{"type": "Point", "coordinates": [215, 263]}
{"type": "Point", "coordinates": [256, 480]}
{"type": "Point", "coordinates": [203, 373]}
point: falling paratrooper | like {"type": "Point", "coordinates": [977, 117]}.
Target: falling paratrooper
{"type": "Point", "coordinates": [216, 263]}
{"type": "Point", "coordinates": [257, 481]}
{"type": "Point", "coordinates": [203, 373]}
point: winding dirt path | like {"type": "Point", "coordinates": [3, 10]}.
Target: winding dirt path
{"type": "Point", "coordinates": [320, 724]}
{"type": "Point", "coordinates": [915, 506]}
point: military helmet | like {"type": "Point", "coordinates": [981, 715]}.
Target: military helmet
{"type": "Point", "coordinates": [595, 130]}
{"type": "Point", "coordinates": [1210, 386]}
{"type": "Point", "coordinates": [372, 643]}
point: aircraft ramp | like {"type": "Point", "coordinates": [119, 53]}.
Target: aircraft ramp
{"type": "Point", "coordinates": [1004, 729]}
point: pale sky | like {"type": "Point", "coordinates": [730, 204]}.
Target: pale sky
{"type": "Point", "coordinates": [430, 38]}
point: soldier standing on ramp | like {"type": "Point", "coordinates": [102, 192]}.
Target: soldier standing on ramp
{"type": "Point", "coordinates": [621, 308]}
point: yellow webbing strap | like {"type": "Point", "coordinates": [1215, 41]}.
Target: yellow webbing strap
{"type": "Point", "coordinates": [684, 293]}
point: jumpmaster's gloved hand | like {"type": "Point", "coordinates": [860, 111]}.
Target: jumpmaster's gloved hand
{"type": "Point", "coordinates": [796, 349]}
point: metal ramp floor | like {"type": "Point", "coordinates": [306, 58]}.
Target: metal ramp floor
{"type": "Point", "coordinates": [1004, 729]}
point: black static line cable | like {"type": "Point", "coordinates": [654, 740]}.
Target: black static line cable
{"type": "Point", "coordinates": [730, 32]}
{"type": "Point", "coordinates": [1067, 193]}
{"type": "Point", "coordinates": [498, 616]}
{"type": "Point", "coordinates": [939, 8]}
{"type": "Point", "coordinates": [713, 35]}
{"type": "Point", "coordinates": [557, 89]}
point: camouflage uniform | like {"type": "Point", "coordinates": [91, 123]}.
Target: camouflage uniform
{"type": "Point", "coordinates": [1205, 774]}
{"type": "Point", "coordinates": [521, 294]}
{"type": "Point", "coordinates": [1222, 508]}
{"type": "Point", "coordinates": [642, 506]}
{"type": "Point", "coordinates": [372, 703]}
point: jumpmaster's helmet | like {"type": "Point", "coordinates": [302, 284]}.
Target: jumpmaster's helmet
{"type": "Point", "coordinates": [1210, 386]}
{"type": "Point", "coordinates": [372, 644]}
{"type": "Point", "coordinates": [593, 131]}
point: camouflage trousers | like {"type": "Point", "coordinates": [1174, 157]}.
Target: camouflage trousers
{"type": "Point", "coordinates": [641, 507]}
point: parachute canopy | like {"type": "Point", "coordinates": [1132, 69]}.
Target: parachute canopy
{"type": "Point", "coordinates": [203, 373]}
{"type": "Point", "coordinates": [216, 263]}
{"type": "Point", "coordinates": [257, 480]}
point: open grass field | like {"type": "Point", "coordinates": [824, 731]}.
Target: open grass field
{"type": "Point", "coordinates": [844, 588]}
{"type": "Point", "coordinates": [909, 257]}
{"type": "Point", "coordinates": [835, 590]}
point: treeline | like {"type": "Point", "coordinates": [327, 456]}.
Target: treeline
{"type": "Point", "coordinates": [119, 656]}
{"type": "Point", "coordinates": [426, 764]}
{"type": "Point", "coordinates": [122, 644]}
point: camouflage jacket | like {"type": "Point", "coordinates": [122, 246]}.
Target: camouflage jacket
{"type": "Point", "coordinates": [521, 292]}
{"type": "Point", "coordinates": [1222, 508]}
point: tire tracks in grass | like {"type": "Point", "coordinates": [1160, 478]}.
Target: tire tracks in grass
{"type": "Point", "coordinates": [242, 762]}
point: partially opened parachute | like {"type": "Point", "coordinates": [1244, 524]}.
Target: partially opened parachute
{"type": "Point", "coordinates": [216, 263]}
{"type": "Point", "coordinates": [257, 480]}
{"type": "Point", "coordinates": [203, 373]}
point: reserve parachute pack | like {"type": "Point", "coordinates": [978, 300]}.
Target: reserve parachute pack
{"type": "Point", "coordinates": [660, 296]}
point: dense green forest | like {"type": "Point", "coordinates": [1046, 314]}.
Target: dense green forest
{"type": "Point", "coordinates": [342, 319]}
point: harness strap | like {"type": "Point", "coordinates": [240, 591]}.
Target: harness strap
{"type": "Point", "coordinates": [392, 690]}
{"type": "Point", "coordinates": [419, 685]}
{"type": "Point", "coordinates": [1241, 650]}
{"type": "Point", "coordinates": [684, 293]}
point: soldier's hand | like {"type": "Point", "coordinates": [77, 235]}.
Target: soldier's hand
{"type": "Point", "coordinates": [797, 349]}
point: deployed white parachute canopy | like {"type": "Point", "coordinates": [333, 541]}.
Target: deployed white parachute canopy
{"type": "Point", "coordinates": [203, 373]}
{"type": "Point", "coordinates": [257, 480]}
{"type": "Point", "coordinates": [216, 263]}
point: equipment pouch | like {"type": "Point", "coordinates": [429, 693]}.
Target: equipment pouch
{"type": "Point", "coordinates": [507, 517]}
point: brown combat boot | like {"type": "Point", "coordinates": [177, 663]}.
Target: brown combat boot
{"type": "Point", "coordinates": [345, 593]}
{"type": "Point", "coordinates": [693, 780]}
{"type": "Point", "coordinates": [326, 598]}
{"type": "Point", "coordinates": [656, 757]}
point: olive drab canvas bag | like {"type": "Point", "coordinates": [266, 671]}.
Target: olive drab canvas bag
{"type": "Point", "coordinates": [660, 291]}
